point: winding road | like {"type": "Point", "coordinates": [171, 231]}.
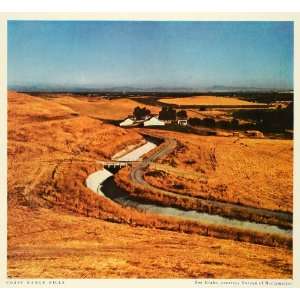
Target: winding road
{"type": "Point", "coordinates": [230, 210]}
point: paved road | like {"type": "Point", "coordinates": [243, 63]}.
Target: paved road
{"type": "Point", "coordinates": [283, 219]}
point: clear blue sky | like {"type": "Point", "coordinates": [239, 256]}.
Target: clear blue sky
{"type": "Point", "coordinates": [149, 54]}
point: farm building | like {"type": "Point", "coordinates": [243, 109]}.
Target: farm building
{"type": "Point", "coordinates": [154, 121]}
{"type": "Point", "coordinates": [182, 122]}
{"type": "Point", "coordinates": [127, 122]}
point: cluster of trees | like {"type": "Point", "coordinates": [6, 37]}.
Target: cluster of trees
{"type": "Point", "coordinates": [141, 113]}
{"type": "Point", "coordinates": [211, 123]}
{"type": "Point", "coordinates": [266, 97]}
{"type": "Point", "coordinates": [259, 97]}
{"type": "Point", "coordinates": [169, 113]}
{"type": "Point", "coordinates": [260, 119]}
{"type": "Point", "coordinates": [271, 119]}
{"type": "Point", "coordinates": [166, 113]}
{"type": "Point", "coordinates": [181, 114]}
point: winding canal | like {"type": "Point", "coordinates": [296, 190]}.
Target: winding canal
{"type": "Point", "coordinates": [102, 183]}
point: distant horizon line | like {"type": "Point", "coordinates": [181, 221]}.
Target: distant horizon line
{"type": "Point", "coordinates": [128, 89]}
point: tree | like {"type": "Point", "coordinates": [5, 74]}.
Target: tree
{"type": "Point", "coordinates": [223, 124]}
{"type": "Point", "coordinates": [209, 122]}
{"type": "Point", "coordinates": [140, 113]}
{"type": "Point", "coordinates": [167, 113]}
{"type": "Point", "coordinates": [195, 121]}
{"type": "Point", "coordinates": [181, 114]}
{"type": "Point", "coordinates": [235, 123]}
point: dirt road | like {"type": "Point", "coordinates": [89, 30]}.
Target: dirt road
{"type": "Point", "coordinates": [230, 210]}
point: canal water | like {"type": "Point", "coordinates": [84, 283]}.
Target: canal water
{"type": "Point", "coordinates": [95, 180]}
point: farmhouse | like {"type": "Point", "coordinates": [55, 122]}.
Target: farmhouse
{"type": "Point", "coordinates": [154, 121]}
{"type": "Point", "coordinates": [127, 122]}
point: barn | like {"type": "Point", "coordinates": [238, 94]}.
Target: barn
{"type": "Point", "coordinates": [154, 121]}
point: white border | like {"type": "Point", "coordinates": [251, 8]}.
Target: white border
{"type": "Point", "coordinates": [161, 16]}
{"type": "Point", "coordinates": [146, 5]}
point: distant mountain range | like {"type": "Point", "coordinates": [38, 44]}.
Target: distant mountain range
{"type": "Point", "coordinates": [129, 89]}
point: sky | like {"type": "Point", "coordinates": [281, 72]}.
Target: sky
{"type": "Point", "coordinates": [149, 54]}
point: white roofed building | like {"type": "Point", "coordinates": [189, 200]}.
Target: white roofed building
{"type": "Point", "coordinates": [182, 122]}
{"type": "Point", "coordinates": [154, 121]}
{"type": "Point", "coordinates": [127, 122]}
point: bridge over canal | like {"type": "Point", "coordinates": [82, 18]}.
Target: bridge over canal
{"type": "Point", "coordinates": [118, 164]}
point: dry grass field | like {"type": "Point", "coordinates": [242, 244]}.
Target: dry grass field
{"type": "Point", "coordinates": [59, 228]}
{"type": "Point", "coordinates": [217, 115]}
{"type": "Point", "coordinates": [101, 108]}
{"type": "Point", "coordinates": [206, 100]}
{"type": "Point", "coordinates": [254, 172]}
{"type": "Point", "coordinates": [43, 243]}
